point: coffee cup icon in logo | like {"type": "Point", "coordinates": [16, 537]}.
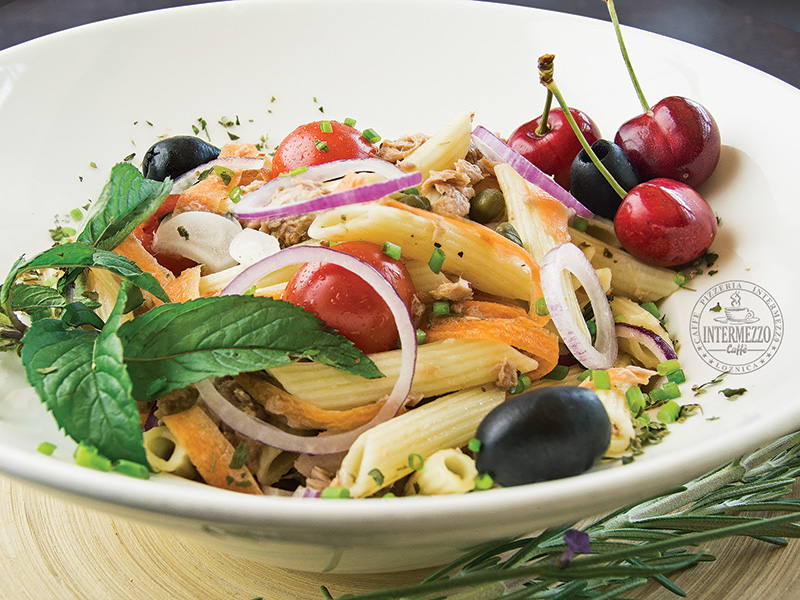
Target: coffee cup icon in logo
{"type": "Point", "coordinates": [736, 313]}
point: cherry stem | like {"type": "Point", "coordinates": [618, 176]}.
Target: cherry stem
{"type": "Point", "coordinates": [544, 126]}
{"type": "Point", "coordinates": [546, 79]}
{"type": "Point", "coordinates": [613, 13]}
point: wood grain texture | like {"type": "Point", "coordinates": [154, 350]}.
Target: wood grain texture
{"type": "Point", "coordinates": [51, 549]}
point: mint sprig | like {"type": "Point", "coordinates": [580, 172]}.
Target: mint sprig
{"type": "Point", "coordinates": [175, 345]}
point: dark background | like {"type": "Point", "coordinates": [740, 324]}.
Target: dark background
{"type": "Point", "coordinates": [761, 33]}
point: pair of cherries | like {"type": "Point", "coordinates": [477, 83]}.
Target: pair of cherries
{"type": "Point", "coordinates": [672, 147]}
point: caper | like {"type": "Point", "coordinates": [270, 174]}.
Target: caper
{"type": "Point", "coordinates": [174, 156]}
{"type": "Point", "coordinates": [487, 205]}
{"type": "Point", "coordinates": [415, 201]}
{"type": "Point", "coordinates": [507, 231]}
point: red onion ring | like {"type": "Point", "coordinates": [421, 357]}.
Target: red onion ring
{"type": "Point", "coordinates": [260, 198]}
{"type": "Point", "coordinates": [649, 339]}
{"type": "Point", "coordinates": [570, 258]}
{"type": "Point", "coordinates": [234, 163]}
{"type": "Point", "coordinates": [496, 149]}
{"type": "Point", "coordinates": [268, 434]}
{"type": "Point", "coordinates": [363, 193]}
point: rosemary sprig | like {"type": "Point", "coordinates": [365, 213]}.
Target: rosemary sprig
{"type": "Point", "coordinates": [629, 547]}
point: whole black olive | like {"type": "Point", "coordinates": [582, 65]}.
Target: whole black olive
{"type": "Point", "coordinates": [174, 156]}
{"type": "Point", "coordinates": [588, 185]}
{"type": "Point", "coordinates": [542, 434]}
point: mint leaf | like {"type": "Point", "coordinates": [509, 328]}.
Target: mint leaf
{"type": "Point", "coordinates": [39, 301]}
{"type": "Point", "coordinates": [175, 345]}
{"type": "Point", "coordinates": [82, 379]}
{"type": "Point", "coordinates": [76, 255]}
{"type": "Point", "coordinates": [127, 200]}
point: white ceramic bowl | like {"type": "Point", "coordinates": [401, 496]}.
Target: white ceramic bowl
{"type": "Point", "coordinates": [97, 93]}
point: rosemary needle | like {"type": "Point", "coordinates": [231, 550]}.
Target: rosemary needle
{"type": "Point", "coordinates": [631, 546]}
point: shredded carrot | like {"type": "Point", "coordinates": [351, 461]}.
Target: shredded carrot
{"type": "Point", "coordinates": [485, 310]}
{"type": "Point", "coordinates": [520, 332]}
{"type": "Point", "coordinates": [504, 248]}
{"type": "Point", "coordinates": [185, 286]}
{"type": "Point", "coordinates": [552, 214]}
{"type": "Point", "coordinates": [304, 414]}
{"type": "Point", "coordinates": [209, 450]}
{"type": "Point", "coordinates": [239, 149]}
{"type": "Point", "coordinates": [211, 194]}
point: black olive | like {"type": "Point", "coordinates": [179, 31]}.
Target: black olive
{"type": "Point", "coordinates": [542, 434]}
{"type": "Point", "coordinates": [588, 185]}
{"type": "Point", "coordinates": [487, 205]}
{"type": "Point", "coordinates": [174, 156]}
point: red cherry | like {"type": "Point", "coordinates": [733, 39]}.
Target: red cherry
{"type": "Point", "coordinates": [677, 139]}
{"type": "Point", "coordinates": [665, 223]}
{"type": "Point", "coordinates": [554, 151]}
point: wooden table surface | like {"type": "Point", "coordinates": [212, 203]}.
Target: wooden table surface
{"type": "Point", "coordinates": [52, 549]}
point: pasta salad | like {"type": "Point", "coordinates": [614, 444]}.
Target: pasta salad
{"type": "Point", "coordinates": [349, 317]}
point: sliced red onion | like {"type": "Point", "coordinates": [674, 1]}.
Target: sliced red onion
{"type": "Point", "coordinates": [248, 208]}
{"type": "Point", "coordinates": [268, 434]}
{"type": "Point", "coordinates": [570, 258]}
{"type": "Point", "coordinates": [234, 163]}
{"type": "Point", "coordinates": [649, 339]}
{"type": "Point", "coordinates": [251, 245]}
{"type": "Point", "coordinates": [496, 149]}
{"type": "Point", "coordinates": [329, 171]}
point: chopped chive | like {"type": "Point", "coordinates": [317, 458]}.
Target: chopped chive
{"type": "Point", "coordinates": [474, 445]}
{"type": "Point", "coordinates": [669, 412]}
{"type": "Point", "coordinates": [657, 395]}
{"type": "Point", "coordinates": [665, 367]}
{"type": "Point", "coordinates": [601, 379]}
{"type": "Point", "coordinates": [681, 278]}
{"type": "Point", "coordinates": [293, 172]}
{"type": "Point", "coordinates": [483, 481]}
{"type": "Point", "coordinates": [676, 376]}
{"type": "Point", "coordinates": [672, 390]}
{"type": "Point", "coordinates": [76, 214]}
{"type": "Point", "coordinates": [131, 469]}
{"type": "Point", "coordinates": [325, 127]}
{"type": "Point", "coordinates": [46, 448]}
{"type": "Point", "coordinates": [651, 308]}
{"type": "Point", "coordinates": [371, 136]}
{"type": "Point", "coordinates": [321, 145]}
{"type": "Point", "coordinates": [437, 260]}
{"type": "Point", "coordinates": [580, 224]}
{"type": "Point", "coordinates": [392, 250]}
{"type": "Point", "coordinates": [636, 399]}
{"type": "Point", "coordinates": [335, 492]}
{"type": "Point", "coordinates": [584, 375]}
{"type": "Point", "coordinates": [240, 456]}
{"type": "Point", "coordinates": [558, 373]}
{"type": "Point", "coordinates": [224, 173]}
{"type": "Point", "coordinates": [441, 308]}
{"type": "Point", "coordinates": [377, 476]}
{"type": "Point", "coordinates": [350, 122]}
{"type": "Point", "coordinates": [415, 461]}
{"type": "Point", "coordinates": [412, 191]}
{"type": "Point", "coordinates": [235, 194]}
{"type": "Point", "coordinates": [421, 337]}
{"type": "Point", "coordinates": [523, 383]}
{"type": "Point", "coordinates": [541, 307]}
{"type": "Point", "coordinates": [88, 456]}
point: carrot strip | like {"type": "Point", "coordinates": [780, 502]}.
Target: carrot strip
{"type": "Point", "coordinates": [484, 310]}
{"type": "Point", "coordinates": [185, 286]}
{"type": "Point", "coordinates": [505, 249]}
{"type": "Point", "coordinates": [304, 414]}
{"type": "Point", "coordinates": [520, 332]}
{"type": "Point", "coordinates": [210, 451]}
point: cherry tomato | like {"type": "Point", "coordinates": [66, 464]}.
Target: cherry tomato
{"type": "Point", "coordinates": [320, 142]}
{"type": "Point", "coordinates": [348, 304]}
{"type": "Point", "coordinates": [147, 230]}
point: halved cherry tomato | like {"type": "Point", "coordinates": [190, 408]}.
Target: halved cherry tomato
{"type": "Point", "coordinates": [345, 302]}
{"type": "Point", "coordinates": [320, 142]}
{"type": "Point", "coordinates": [147, 230]}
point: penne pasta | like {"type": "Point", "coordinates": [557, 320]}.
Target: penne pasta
{"type": "Point", "coordinates": [447, 471]}
{"type": "Point", "coordinates": [386, 453]}
{"type": "Point", "coordinates": [442, 367]}
{"type": "Point", "coordinates": [443, 149]}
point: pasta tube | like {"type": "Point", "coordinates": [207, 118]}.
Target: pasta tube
{"type": "Point", "coordinates": [386, 453]}
{"type": "Point", "coordinates": [445, 472]}
{"type": "Point", "coordinates": [443, 149]}
{"type": "Point", "coordinates": [442, 367]}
